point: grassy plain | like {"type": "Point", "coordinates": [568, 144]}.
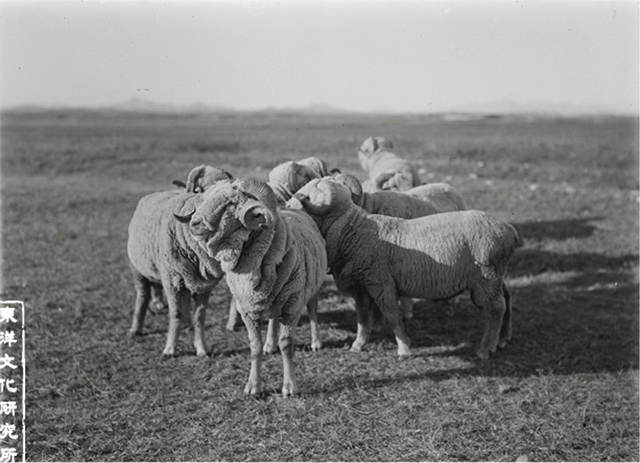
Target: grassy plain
{"type": "Point", "coordinates": [565, 389]}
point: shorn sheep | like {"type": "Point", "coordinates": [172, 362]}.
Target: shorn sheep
{"type": "Point", "coordinates": [378, 258]}
{"type": "Point", "coordinates": [162, 254]}
{"type": "Point", "coordinates": [385, 169]}
{"type": "Point", "coordinates": [420, 201]}
{"type": "Point", "coordinates": [274, 261]}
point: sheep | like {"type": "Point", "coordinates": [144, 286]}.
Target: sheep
{"type": "Point", "coordinates": [274, 261]}
{"type": "Point", "coordinates": [420, 201]}
{"type": "Point", "coordinates": [288, 177]}
{"type": "Point", "coordinates": [202, 177]}
{"type": "Point", "coordinates": [378, 258]}
{"type": "Point", "coordinates": [161, 253]}
{"type": "Point", "coordinates": [198, 180]}
{"type": "Point", "coordinates": [386, 170]}
{"type": "Point", "coordinates": [285, 179]}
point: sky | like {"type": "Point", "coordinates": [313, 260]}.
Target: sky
{"type": "Point", "coordinates": [400, 55]}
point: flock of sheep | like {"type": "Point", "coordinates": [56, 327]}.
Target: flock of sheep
{"type": "Point", "coordinates": [384, 242]}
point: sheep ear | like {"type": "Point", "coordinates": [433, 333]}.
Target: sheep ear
{"type": "Point", "coordinates": [179, 183]}
{"type": "Point", "coordinates": [185, 218]}
{"type": "Point", "coordinates": [335, 171]}
{"type": "Point", "coordinates": [255, 216]}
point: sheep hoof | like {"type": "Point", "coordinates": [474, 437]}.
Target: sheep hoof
{"type": "Point", "coordinates": [356, 348]}
{"type": "Point", "coordinates": [201, 353]}
{"type": "Point", "coordinates": [134, 332]}
{"type": "Point", "coordinates": [288, 389]}
{"type": "Point", "coordinates": [253, 389]}
{"type": "Point", "coordinates": [316, 346]}
{"type": "Point", "coordinates": [404, 353]}
{"type": "Point", "coordinates": [483, 355]}
{"type": "Point", "coordinates": [168, 352]}
{"type": "Point", "coordinates": [502, 343]}
{"type": "Point", "coordinates": [231, 327]}
{"type": "Point", "coordinates": [269, 349]}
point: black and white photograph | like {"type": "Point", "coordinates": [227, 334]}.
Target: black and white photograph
{"type": "Point", "coordinates": [319, 230]}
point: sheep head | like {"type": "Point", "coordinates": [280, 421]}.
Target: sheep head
{"type": "Point", "coordinates": [202, 177]}
{"type": "Point", "coordinates": [229, 214]}
{"type": "Point", "coordinates": [370, 146]}
{"type": "Point", "coordinates": [323, 196]}
{"type": "Point", "coordinates": [393, 181]}
{"type": "Point", "coordinates": [317, 165]}
{"type": "Point", "coordinates": [289, 177]}
{"type": "Point", "coordinates": [354, 185]}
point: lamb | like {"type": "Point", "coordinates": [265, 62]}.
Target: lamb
{"type": "Point", "coordinates": [386, 170]}
{"type": "Point", "coordinates": [162, 253]}
{"type": "Point", "coordinates": [379, 258]}
{"type": "Point", "coordinates": [274, 261]}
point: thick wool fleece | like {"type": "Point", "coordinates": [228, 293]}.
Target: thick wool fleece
{"type": "Point", "coordinates": [272, 271]}
{"type": "Point", "coordinates": [162, 250]}
{"type": "Point", "coordinates": [287, 178]}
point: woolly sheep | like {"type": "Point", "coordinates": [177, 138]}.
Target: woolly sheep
{"type": "Point", "coordinates": [274, 261]}
{"type": "Point", "coordinates": [198, 180]}
{"type": "Point", "coordinates": [162, 253]}
{"type": "Point", "coordinates": [386, 170]}
{"type": "Point", "coordinates": [285, 179]}
{"type": "Point", "coordinates": [378, 258]}
{"type": "Point", "coordinates": [288, 177]}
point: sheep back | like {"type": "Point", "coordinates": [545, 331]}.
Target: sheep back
{"type": "Point", "coordinates": [159, 248]}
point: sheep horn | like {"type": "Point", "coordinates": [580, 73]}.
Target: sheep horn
{"type": "Point", "coordinates": [255, 216]}
{"type": "Point", "coordinates": [259, 211]}
{"type": "Point", "coordinates": [185, 218]}
{"type": "Point", "coordinates": [193, 177]}
{"type": "Point", "coordinates": [179, 183]}
{"type": "Point", "coordinates": [335, 171]}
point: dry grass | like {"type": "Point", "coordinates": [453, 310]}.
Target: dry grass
{"type": "Point", "coordinates": [566, 389]}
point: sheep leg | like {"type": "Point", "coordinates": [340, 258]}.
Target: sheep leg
{"type": "Point", "coordinates": [233, 315]}
{"type": "Point", "coordinates": [270, 345]}
{"type": "Point", "coordinates": [179, 302]}
{"type": "Point", "coordinates": [157, 298]}
{"type": "Point", "coordinates": [387, 300]}
{"type": "Point", "coordinates": [142, 287]}
{"type": "Point", "coordinates": [506, 329]}
{"type": "Point", "coordinates": [288, 323]}
{"type": "Point", "coordinates": [364, 316]}
{"type": "Point", "coordinates": [312, 311]}
{"type": "Point", "coordinates": [201, 301]}
{"type": "Point", "coordinates": [254, 385]}
{"type": "Point", "coordinates": [492, 302]}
